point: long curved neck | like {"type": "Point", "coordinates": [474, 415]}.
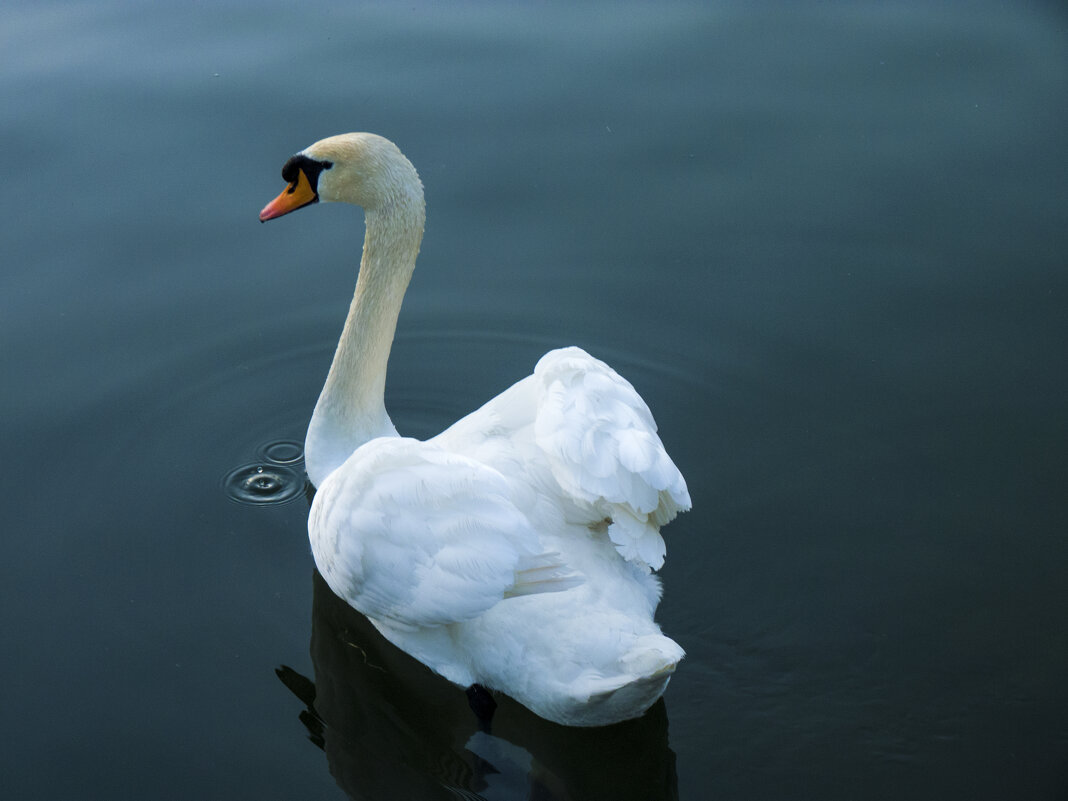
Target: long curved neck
{"type": "Point", "coordinates": [351, 408]}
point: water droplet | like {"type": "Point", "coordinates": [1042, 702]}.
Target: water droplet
{"type": "Point", "coordinates": [260, 484]}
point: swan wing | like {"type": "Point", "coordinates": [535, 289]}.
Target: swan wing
{"type": "Point", "coordinates": [599, 439]}
{"type": "Point", "coordinates": [412, 534]}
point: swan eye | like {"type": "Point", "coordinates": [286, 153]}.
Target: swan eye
{"type": "Point", "coordinates": [309, 166]}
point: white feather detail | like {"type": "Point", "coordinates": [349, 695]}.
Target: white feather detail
{"type": "Point", "coordinates": [602, 448]}
{"type": "Point", "coordinates": [422, 537]}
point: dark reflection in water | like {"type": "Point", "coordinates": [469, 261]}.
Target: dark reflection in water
{"type": "Point", "coordinates": [391, 728]}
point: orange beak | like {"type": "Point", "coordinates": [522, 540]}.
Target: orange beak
{"type": "Point", "coordinates": [297, 194]}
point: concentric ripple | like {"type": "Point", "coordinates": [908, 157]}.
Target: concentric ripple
{"type": "Point", "coordinates": [276, 479]}
{"type": "Point", "coordinates": [284, 452]}
{"type": "Point", "coordinates": [263, 484]}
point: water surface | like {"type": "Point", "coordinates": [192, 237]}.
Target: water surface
{"type": "Point", "coordinates": [825, 241]}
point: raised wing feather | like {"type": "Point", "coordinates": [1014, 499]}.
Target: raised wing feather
{"type": "Point", "coordinates": [603, 450]}
{"type": "Point", "coordinates": [412, 534]}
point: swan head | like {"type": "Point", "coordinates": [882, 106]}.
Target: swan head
{"type": "Point", "coordinates": [358, 168]}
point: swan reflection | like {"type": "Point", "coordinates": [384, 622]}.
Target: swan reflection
{"type": "Point", "coordinates": [391, 728]}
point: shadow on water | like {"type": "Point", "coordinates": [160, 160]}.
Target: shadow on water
{"type": "Point", "coordinates": [391, 728]}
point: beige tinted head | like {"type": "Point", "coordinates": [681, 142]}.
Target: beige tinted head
{"type": "Point", "coordinates": [360, 168]}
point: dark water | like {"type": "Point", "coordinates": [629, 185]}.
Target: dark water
{"type": "Point", "coordinates": [827, 242]}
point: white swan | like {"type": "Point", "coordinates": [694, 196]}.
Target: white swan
{"type": "Point", "coordinates": [514, 550]}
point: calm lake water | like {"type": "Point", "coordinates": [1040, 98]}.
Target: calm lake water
{"type": "Point", "coordinates": [827, 242]}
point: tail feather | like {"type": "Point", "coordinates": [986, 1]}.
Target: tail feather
{"type": "Point", "coordinates": [653, 655]}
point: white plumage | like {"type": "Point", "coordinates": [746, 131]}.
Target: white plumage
{"type": "Point", "coordinates": [515, 549]}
